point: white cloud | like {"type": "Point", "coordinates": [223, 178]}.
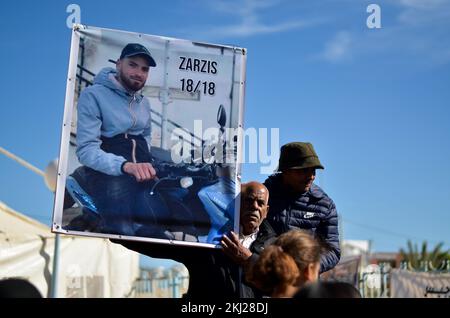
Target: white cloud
{"type": "Point", "coordinates": [242, 8]}
{"type": "Point", "coordinates": [250, 22]}
{"type": "Point", "coordinates": [424, 13]}
{"type": "Point", "coordinates": [429, 21]}
{"type": "Point", "coordinates": [249, 28]}
{"type": "Point", "coordinates": [338, 48]}
{"type": "Point", "coordinates": [417, 30]}
{"type": "Point", "coordinates": [423, 4]}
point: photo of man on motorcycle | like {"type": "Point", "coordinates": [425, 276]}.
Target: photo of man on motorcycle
{"type": "Point", "coordinates": [112, 125]}
{"type": "Point", "coordinates": [124, 186]}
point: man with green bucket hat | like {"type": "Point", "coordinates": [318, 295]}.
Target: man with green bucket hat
{"type": "Point", "coordinates": [297, 203]}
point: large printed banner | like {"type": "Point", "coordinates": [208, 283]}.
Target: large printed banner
{"type": "Point", "coordinates": [408, 284]}
{"type": "Point", "coordinates": [150, 140]}
{"type": "Point", "coordinates": [345, 271]}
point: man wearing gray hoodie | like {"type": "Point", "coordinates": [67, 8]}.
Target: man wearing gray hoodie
{"type": "Point", "coordinates": [113, 124]}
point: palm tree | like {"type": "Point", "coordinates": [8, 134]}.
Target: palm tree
{"type": "Point", "coordinates": [435, 259]}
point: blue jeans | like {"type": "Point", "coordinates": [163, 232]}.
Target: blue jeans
{"type": "Point", "coordinates": [126, 205]}
{"type": "Point", "coordinates": [219, 200]}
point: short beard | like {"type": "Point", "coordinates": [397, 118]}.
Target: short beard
{"type": "Point", "coordinates": [130, 85]}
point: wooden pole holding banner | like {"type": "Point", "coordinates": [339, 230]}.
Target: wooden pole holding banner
{"type": "Point", "coordinates": [22, 162]}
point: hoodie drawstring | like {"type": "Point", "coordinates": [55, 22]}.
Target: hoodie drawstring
{"type": "Point", "coordinates": [133, 149]}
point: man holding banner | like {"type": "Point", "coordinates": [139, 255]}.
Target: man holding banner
{"type": "Point", "coordinates": [217, 273]}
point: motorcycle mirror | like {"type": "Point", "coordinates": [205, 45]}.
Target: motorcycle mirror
{"type": "Point", "coordinates": [186, 182]}
{"type": "Point", "coordinates": [221, 116]}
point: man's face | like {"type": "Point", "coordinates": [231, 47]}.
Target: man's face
{"type": "Point", "coordinates": [299, 180]}
{"type": "Point", "coordinates": [133, 72]}
{"type": "Point", "coordinates": [254, 207]}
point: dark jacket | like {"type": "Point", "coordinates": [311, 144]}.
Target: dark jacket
{"type": "Point", "coordinates": [313, 211]}
{"type": "Point", "coordinates": [211, 273]}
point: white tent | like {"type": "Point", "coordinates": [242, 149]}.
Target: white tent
{"type": "Point", "coordinates": [88, 267]}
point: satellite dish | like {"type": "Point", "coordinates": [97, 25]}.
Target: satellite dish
{"type": "Point", "coordinates": [51, 173]}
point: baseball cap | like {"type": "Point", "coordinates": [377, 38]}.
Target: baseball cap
{"type": "Point", "coordinates": [133, 49]}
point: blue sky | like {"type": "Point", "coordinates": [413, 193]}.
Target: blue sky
{"type": "Point", "coordinates": [374, 102]}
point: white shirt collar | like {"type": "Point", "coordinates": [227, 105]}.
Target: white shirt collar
{"type": "Point", "coordinates": [247, 240]}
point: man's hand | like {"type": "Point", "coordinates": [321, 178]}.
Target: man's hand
{"type": "Point", "coordinates": [141, 171]}
{"type": "Point", "coordinates": [234, 249]}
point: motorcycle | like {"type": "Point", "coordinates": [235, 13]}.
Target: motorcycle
{"type": "Point", "coordinates": [199, 197]}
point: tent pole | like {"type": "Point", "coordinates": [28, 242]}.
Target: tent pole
{"type": "Point", "coordinates": [55, 272]}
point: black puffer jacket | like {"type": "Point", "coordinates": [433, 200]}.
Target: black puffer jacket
{"type": "Point", "coordinates": [313, 211]}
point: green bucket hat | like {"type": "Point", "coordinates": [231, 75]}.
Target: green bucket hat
{"type": "Point", "coordinates": [298, 155]}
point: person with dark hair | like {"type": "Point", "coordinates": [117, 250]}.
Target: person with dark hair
{"type": "Point", "coordinates": [328, 290]}
{"type": "Point", "coordinates": [282, 268]}
{"type": "Point", "coordinates": [113, 128]}
{"type": "Point", "coordinates": [217, 273]}
{"type": "Point", "coordinates": [297, 203]}
{"type": "Point", "coordinates": [18, 288]}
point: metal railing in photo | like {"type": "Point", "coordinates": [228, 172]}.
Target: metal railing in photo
{"type": "Point", "coordinates": [85, 78]}
{"type": "Point", "coordinates": [376, 282]}
{"type": "Point", "coordinates": [155, 284]}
